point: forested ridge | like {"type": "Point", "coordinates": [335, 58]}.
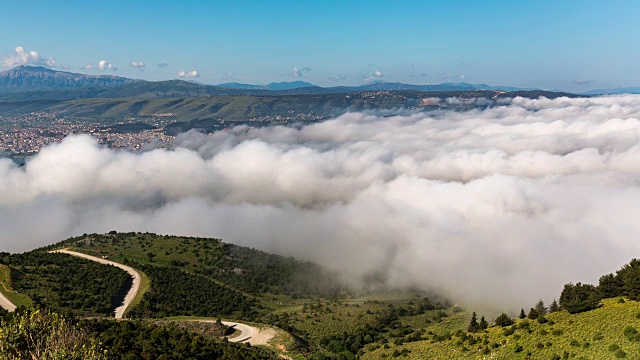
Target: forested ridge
{"type": "Point", "coordinates": [68, 284]}
{"type": "Point", "coordinates": [246, 269]}
{"type": "Point", "coordinates": [175, 292]}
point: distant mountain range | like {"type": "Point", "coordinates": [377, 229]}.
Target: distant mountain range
{"type": "Point", "coordinates": [36, 78]}
{"type": "Point", "coordinates": [28, 83]}
{"type": "Point", "coordinates": [616, 91]}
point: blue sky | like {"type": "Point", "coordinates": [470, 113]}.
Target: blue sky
{"type": "Point", "coordinates": [569, 45]}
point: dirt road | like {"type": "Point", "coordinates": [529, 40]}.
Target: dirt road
{"type": "Point", "coordinates": [251, 334]}
{"type": "Point", "coordinates": [135, 287]}
{"type": "Point", "coordinates": [6, 303]}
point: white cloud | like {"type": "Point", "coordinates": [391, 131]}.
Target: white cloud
{"type": "Point", "coordinates": [230, 76]}
{"type": "Point", "coordinates": [451, 76]}
{"type": "Point", "coordinates": [502, 205]}
{"type": "Point", "coordinates": [138, 64]}
{"type": "Point", "coordinates": [23, 57]}
{"type": "Point", "coordinates": [88, 66]}
{"type": "Point", "coordinates": [161, 65]}
{"type": "Point", "coordinates": [338, 77]}
{"type": "Point", "coordinates": [583, 82]}
{"type": "Point", "coordinates": [376, 75]}
{"type": "Point", "coordinates": [105, 65]}
{"type": "Point", "coordinates": [300, 72]}
{"type": "Point", "coordinates": [188, 74]}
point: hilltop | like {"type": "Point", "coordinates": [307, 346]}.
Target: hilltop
{"type": "Point", "coordinates": [309, 313]}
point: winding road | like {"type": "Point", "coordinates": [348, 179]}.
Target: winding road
{"type": "Point", "coordinates": [6, 303]}
{"type": "Point", "coordinates": [135, 287]}
{"type": "Point", "coordinates": [250, 334]}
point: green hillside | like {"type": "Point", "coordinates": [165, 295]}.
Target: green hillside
{"type": "Point", "coordinates": [67, 284]}
{"type": "Point", "coordinates": [190, 279]}
{"type": "Point", "coordinates": [604, 333]}
{"type": "Point", "coordinates": [186, 102]}
{"type": "Point", "coordinates": [247, 270]}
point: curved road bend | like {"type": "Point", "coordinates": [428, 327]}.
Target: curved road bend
{"type": "Point", "coordinates": [246, 331]}
{"type": "Point", "coordinates": [135, 286]}
{"type": "Point", "coordinates": [6, 303]}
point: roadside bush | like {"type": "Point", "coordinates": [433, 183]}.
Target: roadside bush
{"type": "Point", "coordinates": [41, 335]}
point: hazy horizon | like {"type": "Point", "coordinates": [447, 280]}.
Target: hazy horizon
{"type": "Point", "coordinates": [570, 45]}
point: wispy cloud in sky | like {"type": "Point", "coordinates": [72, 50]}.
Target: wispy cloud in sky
{"type": "Point", "coordinates": [300, 71]}
{"type": "Point", "coordinates": [339, 77]}
{"type": "Point", "coordinates": [445, 75]}
{"type": "Point", "coordinates": [375, 76]}
{"type": "Point", "coordinates": [105, 65]}
{"type": "Point", "coordinates": [138, 64]}
{"type": "Point", "coordinates": [22, 57]}
{"type": "Point", "coordinates": [188, 74]}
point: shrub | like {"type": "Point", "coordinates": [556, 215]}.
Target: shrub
{"type": "Point", "coordinates": [620, 354]}
{"type": "Point", "coordinates": [508, 331]}
{"type": "Point", "coordinates": [613, 347]}
{"type": "Point", "coordinates": [504, 320]}
{"type": "Point", "coordinates": [598, 336]}
{"type": "Point", "coordinates": [40, 335]}
{"type": "Point", "coordinates": [631, 333]}
{"type": "Point", "coordinates": [574, 342]}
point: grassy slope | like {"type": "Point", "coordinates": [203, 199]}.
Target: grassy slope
{"type": "Point", "coordinates": [242, 269]}
{"type": "Point", "coordinates": [589, 335]}
{"type": "Point", "coordinates": [5, 287]}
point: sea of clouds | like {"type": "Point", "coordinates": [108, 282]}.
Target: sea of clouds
{"type": "Point", "coordinates": [502, 205]}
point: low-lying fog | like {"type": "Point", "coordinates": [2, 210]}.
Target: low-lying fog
{"type": "Point", "coordinates": [501, 206]}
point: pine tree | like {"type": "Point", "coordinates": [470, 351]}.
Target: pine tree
{"type": "Point", "coordinates": [540, 308]}
{"type": "Point", "coordinates": [579, 298]}
{"type": "Point", "coordinates": [483, 323]}
{"type": "Point", "coordinates": [630, 276]}
{"type": "Point", "coordinates": [503, 320]}
{"type": "Point", "coordinates": [473, 324]}
{"type": "Point", "coordinates": [610, 286]}
{"type": "Point", "coordinates": [533, 314]}
{"type": "Point", "coordinates": [522, 314]}
{"type": "Point", "coordinates": [554, 306]}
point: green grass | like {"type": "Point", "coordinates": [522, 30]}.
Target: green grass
{"type": "Point", "coordinates": [145, 285]}
{"type": "Point", "coordinates": [595, 334]}
{"type": "Point", "coordinates": [7, 290]}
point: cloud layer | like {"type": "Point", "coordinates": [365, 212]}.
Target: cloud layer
{"type": "Point", "coordinates": [501, 206]}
